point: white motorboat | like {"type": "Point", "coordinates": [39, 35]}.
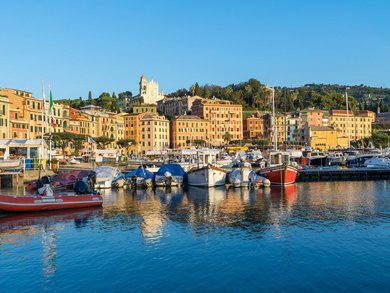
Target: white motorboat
{"type": "Point", "coordinates": [378, 162]}
{"type": "Point", "coordinates": [239, 177]}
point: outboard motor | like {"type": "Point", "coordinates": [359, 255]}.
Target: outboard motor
{"type": "Point", "coordinates": [168, 178]}
{"type": "Point", "coordinates": [46, 179]}
{"type": "Point", "coordinates": [92, 179]}
{"type": "Point", "coordinates": [133, 182]}
{"type": "Point", "coordinates": [82, 187]}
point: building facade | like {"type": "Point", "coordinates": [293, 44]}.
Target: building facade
{"type": "Point", "coordinates": [254, 127]}
{"type": "Point", "coordinates": [225, 119]}
{"type": "Point", "coordinates": [324, 137]}
{"type": "Point", "coordinates": [176, 106]}
{"type": "Point", "coordinates": [188, 131]}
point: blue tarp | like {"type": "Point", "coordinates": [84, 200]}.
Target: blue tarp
{"type": "Point", "coordinates": [174, 169]}
{"type": "Point", "coordinates": [140, 172]}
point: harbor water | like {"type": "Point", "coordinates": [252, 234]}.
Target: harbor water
{"type": "Point", "coordinates": [317, 236]}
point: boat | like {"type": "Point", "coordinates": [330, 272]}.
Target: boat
{"type": "Point", "coordinates": [240, 177]}
{"type": "Point", "coordinates": [207, 176]}
{"type": "Point", "coordinates": [378, 162]}
{"type": "Point", "coordinates": [169, 175]}
{"type": "Point", "coordinates": [36, 203]}
{"type": "Point", "coordinates": [105, 176]}
{"type": "Point", "coordinates": [280, 174]}
{"type": "Point", "coordinates": [206, 173]}
{"type": "Point", "coordinates": [280, 171]}
{"type": "Point", "coordinates": [10, 164]}
{"type": "Point", "coordinates": [140, 177]}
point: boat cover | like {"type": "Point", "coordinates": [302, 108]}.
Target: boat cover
{"type": "Point", "coordinates": [174, 169]}
{"type": "Point", "coordinates": [140, 172]}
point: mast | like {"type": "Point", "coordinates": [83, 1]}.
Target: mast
{"type": "Point", "coordinates": [274, 120]}
{"type": "Point", "coordinates": [50, 117]}
{"type": "Point", "coordinates": [43, 119]}
{"type": "Point", "coordinates": [348, 124]}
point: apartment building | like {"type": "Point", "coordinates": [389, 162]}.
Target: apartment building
{"type": "Point", "coordinates": [188, 131]}
{"type": "Point", "coordinates": [225, 119]}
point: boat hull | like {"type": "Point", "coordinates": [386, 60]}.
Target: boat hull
{"type": "Point", "coordinates": [208, 176]}
{"type": "Point", "coordinates": [280, 175]}
{"type": "Point", "coordinates": [47, 203]}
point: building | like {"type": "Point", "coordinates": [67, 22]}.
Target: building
{"type": "Point", "coordinates": [225, 119]}
{"type": "Point", "coordinates": [324, 137]}
{"type": "Point", "coordinates": [353, 125]}
{"type": "Point", "coordinates": [188, 131]}
{"type": "Point", "coordinates": [4, 117]}
{"type": "Point", "coordinates": [154, 132]}
{"type": "Point", "coordinates": [382, 118]}
{"type": "Point", "coordinates": [144, 108]}
{"type": "Point", "coordinates": [176, 106]}
{"type": "Point", "coordinates": [148, 92]}
{"type": "Point", "coordinates": [254, 127]}
{"type": "Point", "coordinates": [312, 117]}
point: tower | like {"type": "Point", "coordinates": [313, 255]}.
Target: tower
{"type": "Point", "coordinates": [143, 85]}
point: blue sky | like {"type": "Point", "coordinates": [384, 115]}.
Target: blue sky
{"type": "Point", "coordinates": [78, 46]}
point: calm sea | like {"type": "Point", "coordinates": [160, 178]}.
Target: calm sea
{"type": "Point", "coordinates": [309, 237]}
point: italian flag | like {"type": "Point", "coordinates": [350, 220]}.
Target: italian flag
{"type": "Point", "coordinates": [51, 109]}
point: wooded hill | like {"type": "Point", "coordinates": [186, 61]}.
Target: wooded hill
{"type": "Point", "coordinates": [254, 95]}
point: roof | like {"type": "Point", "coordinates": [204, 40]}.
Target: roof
{"type": "Point", "coordinates": [188, 117]}
{"type": "Point", "coordinates": [321, 128]}
{"type": "Point", "coordinates": [22, 142]}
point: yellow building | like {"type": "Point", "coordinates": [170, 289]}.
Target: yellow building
{"type": "Point", "coordinates": [4, 117]}
{"type": "Point", "coordinates": [225, 119]}
{"type": "Point", "coordinates": [143, 108]}
{"type": "Point", "coordinates": [188, 131]}
{"type": "Point", "coordinates": [324, 137]}
{"type": "Point", "coordinates": [356, 125]}
{"type": "Point", "coordinates": [154, 132]}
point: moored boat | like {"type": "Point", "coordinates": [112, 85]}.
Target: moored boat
{"type": "Point", "coordinates": [35, 203]}
{"type": "Point", "coordinates": [207, 176]}
{"type": "Point", "coordinates": [280, 174]}
{"type": "Point", "coordinates": [169, 175]}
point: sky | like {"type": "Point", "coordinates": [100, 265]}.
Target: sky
{"type": "Point", "coordinates": [105, 46]}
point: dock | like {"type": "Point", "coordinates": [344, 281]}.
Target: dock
{"type": "Point", "coordinates": [342, 174]}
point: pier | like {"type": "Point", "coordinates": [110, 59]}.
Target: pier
{"type": "Point", "coordinates": [342, 174]}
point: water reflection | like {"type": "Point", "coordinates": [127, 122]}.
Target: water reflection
{"type": "Point", "coordinates": [214, 210]}
{"type": "Point", "coordinates": [46, 225]}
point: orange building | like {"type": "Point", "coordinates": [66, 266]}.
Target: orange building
{"type": "Point", "coordinates": [254, 127]}
{"type": "Point", "coordinates": [312, 117]}
{"type": "Point", "coordinates": [188, 131]}
{"type": "Point", "coordinates": [225, 119]}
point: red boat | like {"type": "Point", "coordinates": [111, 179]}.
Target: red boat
{"type": "Point", "coordinates": [280, 175]}
{"type": "Point", "coordinates": [34, 203]}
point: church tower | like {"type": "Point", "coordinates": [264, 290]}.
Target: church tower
{"type": "Point", "coordinates": [143, 85]}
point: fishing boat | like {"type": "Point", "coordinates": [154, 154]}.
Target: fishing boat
{"type": "Point", "coordinates": [207, 176]}
{"type": "Point", "coordinates": [280, 175]}
{"type": "Point", "coordinates": [279, 170]}
{"type": "Point", "coordinates": [206, 173]}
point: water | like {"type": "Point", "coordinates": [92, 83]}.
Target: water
{"type": "Point", "coordinates": [309, 237]}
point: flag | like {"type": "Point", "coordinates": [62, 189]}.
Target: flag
{"type": "Point", "coordinates": [90, 140]}
{"type": "Point", "coordinates": [51, 107]}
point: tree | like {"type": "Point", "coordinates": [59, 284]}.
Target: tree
{"type": "Point", "coordinates": [90, 99]}
{"type": "Point", "coordinates": [62, 139]}
{"type": "Point", "coordinates": [227, 137]}
{"type": "Point", "coordinates": [103, 141]}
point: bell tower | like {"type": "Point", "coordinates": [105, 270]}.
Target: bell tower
{"type": "Point", "coordinates": [142, 85]}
